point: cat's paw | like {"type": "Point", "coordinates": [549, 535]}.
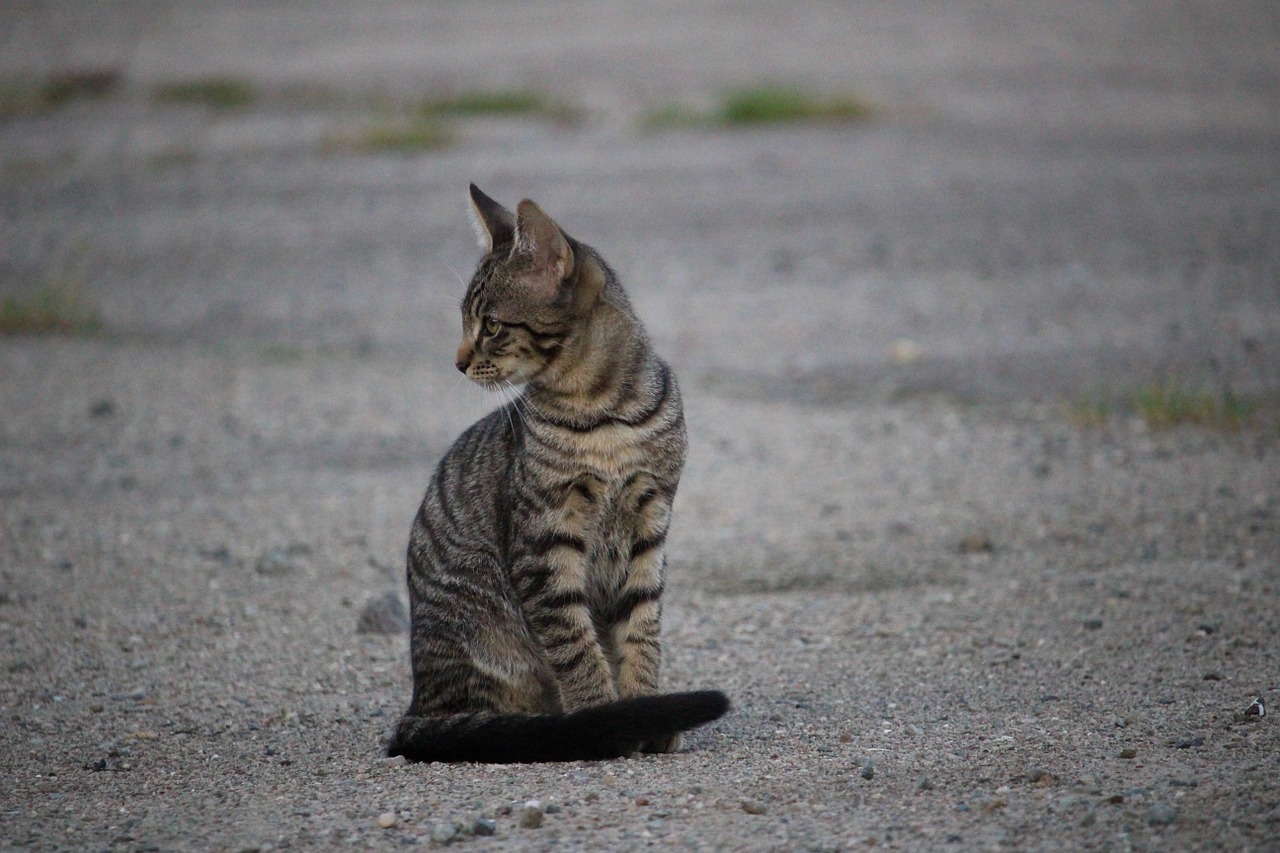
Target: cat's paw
{"type": "Point", "coordinates": [670, 743]}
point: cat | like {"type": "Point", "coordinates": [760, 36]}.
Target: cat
{"type": "Point", "coordinates": [535, 562]}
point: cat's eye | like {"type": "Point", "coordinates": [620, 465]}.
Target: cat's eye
{"type": "Point", "coordinates": [491, 326]}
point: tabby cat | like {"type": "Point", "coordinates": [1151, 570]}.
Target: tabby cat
{"type": "Point", "coordinates": [536, 559]}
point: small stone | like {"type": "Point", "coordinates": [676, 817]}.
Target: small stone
{"type": "Point", "coordinates": [1040, 777]}
{"type": "Point", "coordinates": [976, 543]}
{"type": "Point", "coordinates": [752, 807]}
{"type": "Point", "coordinates": [383, 615]}
{"type": "Point", "coordinates": [923, 784]}
{"type": "Point", "coordinates": [1161, 815]}
{"type": "Point", "coordinates": [1128, 752]}
{"type": "Point", "coordinates": [868, 771]}
{"type": "Point", "coordinates": [1212, 676]}
{"type": "Point", "coordinates": [905, 351]}
{"type": "Point", "coordinates": [386, 820]}
{"type": "Point", "coordinates": [444, 833]}
{"type": "Point", "coordinates": [531, 816]}
{"type": "Point", "coordinates": [551, 808]}
{"type": "Point", "coordinates": [102, 408]}
{"type": "Point", "coordinates": [1186, 743]}
{"type": "Point", "coordinates": [484, 826]}
{"type": "Point", "coordinates": [642, 801]}
{"type": "Point", "coordinates": [275, 563]}
{"type": "Point", "coordinates": [394, 761]}
{"type": "Point", "coordinates": [1092, 624]}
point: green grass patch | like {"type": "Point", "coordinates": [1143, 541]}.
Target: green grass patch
{"type": "Point", "coordinates": [771, 105]}
{"type": "Point", "coordinates": [1171, 404]}
{"type": "Point", "coordinates": [223, 93]}
{"type": "Point", "coordinates": [497, 102]}
{"type": "Point", "coordinates": [762, 105]}
{"type": "Point", "coordinates": [1168, 404]}
{"type": "Point", "coordinates": [674, 117]}
{"type": "Point", "coordinates": [58, 308]}
{"type": "Point", "coordinates": [416, 135]}
{"type": "Point", "coordinates": [19, 97]}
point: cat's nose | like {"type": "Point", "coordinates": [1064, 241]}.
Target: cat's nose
{"type": "Point", "coordinates": [462, 364]}
{"type": "Point", "coordinates": [463, 360]}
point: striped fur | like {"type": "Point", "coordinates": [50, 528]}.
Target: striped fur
{"type": "Point", "coordinates": [535, 561]}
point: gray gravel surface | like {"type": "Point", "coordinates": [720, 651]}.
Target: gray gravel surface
{"type": "Point", "coordinates": [952, 609]}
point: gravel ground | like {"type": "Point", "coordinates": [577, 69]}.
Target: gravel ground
{"type": "Point", "coordinates": [954, 607]}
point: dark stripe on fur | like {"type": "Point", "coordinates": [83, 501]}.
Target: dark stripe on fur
{"type": "Point", "coordinates": [626, 603]}
{"type": "Point", "coordinates": [592, 734]}
{"type": "Point", "coordinates": [639, 420]}
{"type": "Point", "coordinates": [545, 543]}
{"type": "Point", "coordinates": [645, 545]}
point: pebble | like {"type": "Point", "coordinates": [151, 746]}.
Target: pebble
{"type": "Point", "coordinates": [923, 784]}
{"type": "Point", "coordinates": [383, 615]}
{"type": "Point", "coordinates": [1186, 743]}
{"type": "Point", "coordinates": [1128, 752]}
{"type": "Point", "coordinates": [274, 563]}
{"type": "Point", "coordinates": [1161, 815]}
{"type": "Point", "coordinates": [1041, 777]}
{"type": "Point", "coordinates": [531, 815]}
{"type": "Point", "coordinates": [752, 807]}
{"type": "Point", "coordinates": [868, 771]}
{"type": "Point", "coordinates": [444, 833]}
{"type": "Point", "coordinates": [976, 543]}
{"type": "Point", "coordinates": [386, 820]}
{"type": "Point", "coordinates": [394, 762]}
{"type": "Point", "coordinates": [484, 826]}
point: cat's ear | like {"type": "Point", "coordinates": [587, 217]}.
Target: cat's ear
{"type": "Point", "coordinates": [493, 223]}
{"type": "Point", "coordinates": [542, 240]}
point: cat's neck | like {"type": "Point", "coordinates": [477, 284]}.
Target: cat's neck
{"type": "Point", "coordinates": [600, 373]}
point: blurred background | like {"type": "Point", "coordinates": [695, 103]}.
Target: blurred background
{"type": "Point", "coordinates": [818, 200]}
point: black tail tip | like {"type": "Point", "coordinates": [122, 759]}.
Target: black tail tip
{"type": "Point", "coordinates": [715, 702]}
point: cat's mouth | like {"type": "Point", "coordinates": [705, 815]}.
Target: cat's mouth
{"type": "Point", "coordinates": [496, 380]}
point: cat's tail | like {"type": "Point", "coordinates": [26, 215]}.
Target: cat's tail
{"type": "Point", "coordinates": [591, 734]}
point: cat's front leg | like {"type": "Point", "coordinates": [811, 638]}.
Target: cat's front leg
{"type": "Point", "coordinates": [636, 631]}
{"type": "Point", "coordinates": [550, 579]}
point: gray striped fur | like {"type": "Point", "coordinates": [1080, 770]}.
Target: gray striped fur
{"type": "Point", "coordinates": [535, 562]}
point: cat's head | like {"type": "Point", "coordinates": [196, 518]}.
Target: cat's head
{"type": "Point", "coordinates": [533, 290]}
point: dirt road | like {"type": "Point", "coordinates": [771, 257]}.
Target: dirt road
{"type": "Point", "coordinates": [964, 587]}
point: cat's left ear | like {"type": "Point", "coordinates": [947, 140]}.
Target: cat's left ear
{"type": "Point", "coordinates": [494, 224]}
{"type": "Point", "coordinates": [541, 239]}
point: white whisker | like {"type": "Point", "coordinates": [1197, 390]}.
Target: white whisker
{"type": "Point", "coordinates": [519, 403]}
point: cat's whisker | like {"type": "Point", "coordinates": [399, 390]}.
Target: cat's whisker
{"type": "Point", "coordinates": [519, 403]}
{"type": "Point", "coordinates": [501, 391]}
{"type": "Point", "coordinates": [442, 259]}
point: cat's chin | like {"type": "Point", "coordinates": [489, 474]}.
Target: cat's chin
{"type": "Point", "coordinates": [497, 386]}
